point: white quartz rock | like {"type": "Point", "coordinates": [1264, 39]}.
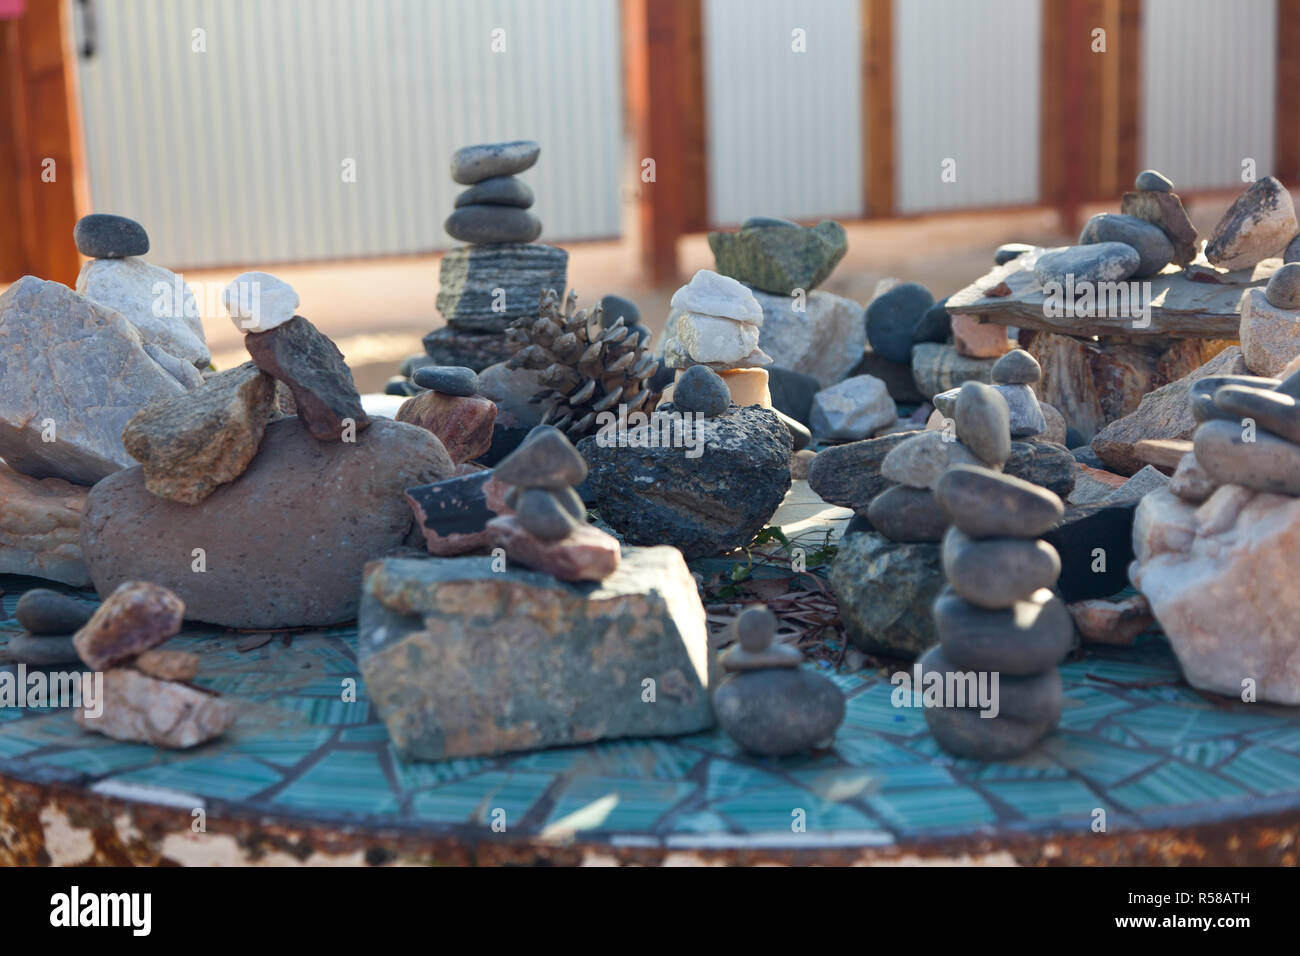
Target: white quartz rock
{"type": "Point", "coordinates": [258, 301]}
{"type": "Point", "coordinates": [155, 300]}
{"type": "Point", "coordinates": [706, 338]}
{"type": "Point", "coordinates": [711, 294]}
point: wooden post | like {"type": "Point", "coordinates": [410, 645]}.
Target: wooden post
{"type": "Point", "coordinates": [878, 107]}
{"type": "Point", "coordinates": [1128, 133]}
{"type": "Point", "coordinates": [665, 105]}
{"type": "Point", "coordinates": [42, 165]}
{"type": "Point", "coordinates": [1286, 160]}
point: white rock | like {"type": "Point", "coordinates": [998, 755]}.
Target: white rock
{"type": "Point", "coordinates": [824, 340]}
{"type": "Point", "coordinates": [1221, 581]}
{"type": "Point", "coordinates": [155, 300]}
{"type": "Point", "coordinates": [852, 409]}
{"type": "Point", "coordinates": [146, 710]}
{"type": "Point", "coordinates": [258, 301]}
{"type": "Point", "coordinates": [711, 294]}
{"type": "Point", "coordinates": [1270, 337]}
{"type": "Point", "coordinates": [706, 338]}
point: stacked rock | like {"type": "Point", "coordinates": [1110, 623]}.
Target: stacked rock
{"type": "Point", "coordinates": [715, 321]}
{"type": "Point", "coordinates": [1154, 201]}
{"type": "Point", "coordinates": [1249, 433]}
{"type": "Point", "coordinates": [998, 615]}
{"type": "Point", "coordinates": [1014, 376]}
{"type": "Point", "coordinates": [117, 276]}
{"type": "Point", "coordinates": [770, 705]}
{"type": "Point", "coordinates": [452, 409]}
{"type": "Point", "coordinates": [502, 273]}
{"type": "Point", "coordinates": [1270, 322]}
{"type": "Point", "coordinates": [49, 620]}
{"type": "Point", "coordinates": [548, 530]}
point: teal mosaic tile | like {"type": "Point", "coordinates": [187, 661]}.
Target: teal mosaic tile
{"type": "Point", "coordinates": [1264, 770]}
{"type": "Point", "coordinates": [873, 750]}
{"type": "Point", "coordinates": [497, 798]}
{"type": "Point", "coordinates": [416, 775]}
{"type": "Point", "coordinates": [1206, 753]}
{"type": "Point", "coordinates": [932, 807]}
{"type": "Point", "coordinates": [1085, 706]}
{"type": "Point", "coordinates": [109, 758]}
{"type": "Point", "coordinates": [1176, 784]}
{"type": "Point", "coordinates": [342, 782]}
{"type": "Point", "coordinates": [332, 712]}
{"type": "Point", "coordinates": [728, 779]}
{"type": "Point", "coordinates": [604, 804]}
{"type": "Point", "coordinates": [1100, 763]}
{"type": "Point", "coordinates": [375, 733]}
{"type": "Point", "coordinates": [652, 759]}
{"type": "Point", "coordinates": [286, 747]}
{"type": "Point", "coordinates": [220, 777]}
{"type": "Point", "coordinates": [1063, 800]}
{"type": "Point", "coordinates": [873, 711]}
{"type": "Point", "coordinates": [785, 807]}
{"type": "Point", "coordinates": [1165, 725]}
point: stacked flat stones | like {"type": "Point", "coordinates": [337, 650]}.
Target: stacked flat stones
{"type": "Point", "coordinates": [715, 321]}
{"type": "Point", "coordinates": [49, 620]}
{"type": "Point", "coordinates": [1014, 376]}
{"type": "Point", "coordinates": [449, 405]}
{"type": "Point", "coordinates": [501, 274]}
{"type": "Point", "coordinates": [1249, 434]}
{"type": "Point", "coordinates": [1270, 320]}
{"type": "Point", "coordinates": [770, 705]}
{"type": "Point", "coordinates": [998, 614]}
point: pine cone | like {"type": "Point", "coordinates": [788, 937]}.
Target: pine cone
{"type": "Point", "coordinates": [586, 368]}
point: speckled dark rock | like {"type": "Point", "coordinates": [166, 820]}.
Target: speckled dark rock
{"type": "Point", "coordinates": [473, 164]}
{"type": "Point", "coordinates": [778, 256]}
{"type": "Point", "coordinates": [885, 590]}
{"type": "Point", "coordinates": [700, 389]}
{"type": "Point", "coordinates": [703, 505]}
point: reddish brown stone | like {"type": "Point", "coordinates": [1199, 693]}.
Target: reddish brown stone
{"type": "Point", "coordinates": [134, 618]}
{"type": "Point", "coordinates": [462, 423]}
{"type": "Point", "coordinates": [587, 554]}
{"type": "Point", "coordinates": [168, 665]}
{"type": "Point", "coordinates": [143, 709]}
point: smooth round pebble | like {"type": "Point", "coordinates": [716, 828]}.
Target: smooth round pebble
{"type": "Point", "coordinates": [481, 224]}
{"type": "Point", "coordinates": [918, 461]}
{"type": "Point", "coordinates": [1201, 393]}
{"type": "Point", "coordinates": [497, 191]}
{"type": "Point", "coordinates": [1283, 289]}
{"type": "Point", "coordinates": [893, 316]}
{"type": "Point", "coordinates": [473, 164]}
{"type": "Point", "coordinates": [43, 651]}
{"type": "Point", "coordinates": [105, 236]}
{"type": "Point", "coordinates": [935, 325]}
{"type": "Point", "coordinates": [1026, 637]}
{"type": "Point", "coordinates": [1010, 250]}
{"type": "Point", "coordinates": [702, 390]}
{"type": "Point", "coordinates": [1096, 262]}
{"type": "Point", "coordinates": [544, 459]}
{"type": "Point", "coordinates": [998, 572]}
{"type": "Point", "coordinates": [1273, 411]}
{"type": "Point", "coordinates": [778, 712]}
{"type": "Point", "coordinates": [984, 422]}
{"type": "Point", "coordinates": [1154, 249]}
{"type": "Point", "coordinates": [1268, 463]}
{"type": "Point", "coordinates": [447, 379]}
{"type": "Point", "coordinates": [755, 628]}
{"type": "Point", "coordinates": [42, 611]}
{"type": "Point", "coordinates": [989, 504]}
{"type": "Point", "coordinates": [614, 307]}
{"type": "Point", "coordinates": [542, 515]}
{"type": "Point", "coordinates": [1017, 367]}
{"type": "Point", "coordinates": [907, 514]}
{"type": "Point", "coordinates": [1149, 180]}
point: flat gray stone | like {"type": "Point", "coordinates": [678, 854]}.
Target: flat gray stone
{"type": "Point", "coordinates": [1268, 463]}
{"type": "Point", "coordinates": [997, 572]}
{"type": "Point", "coordinates": [988, 504]}
{"type": "Point", "coordinates": [439, 645]}
{"type": "Point", "coordinates": [1027, 637]}
{"type": "Point", "coordinates": [1152, 181]}
{"type": "Point", "coordinates": [1153, 247]}
{"type": "Point", "coordinates": [473, 164]}
{"type": "Point", "coordinates": [907, 514]}
{"type": "Point", "coordinates": [483, 224]}
{"type": "Point", "coordinates": [469, 278]}
{"type": "Point", "coordinates": [1272, 411]}
{"type": "Point", "coordinates": [497, 191]}
{"type": "Point", "coordinates": [1017, 367]}
{"type": "Point", "coordinates": [1095, 262]}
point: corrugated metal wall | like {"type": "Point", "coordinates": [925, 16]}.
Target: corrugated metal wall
{"type": "Point", "coordinates": [966, 92]}
{"type": "Point", "coordinates": [234, 155]}
{"type": "Point", "coordinates": [784, 136]}
{"type": "Point", "coordinates": [1209, 78]}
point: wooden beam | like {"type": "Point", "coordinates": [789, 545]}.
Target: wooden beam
{"type": "Point", "coordinates": [1286, 160]}
{"type": "Point", "coordinates": [1128, 133]}
{"type": "Point", "coordinates": [1051, 106]}
{"type": "Point", "coordinates": [878, 107]}
{"type": "Point", "coordinates": [653, 45]}
{"type": "Point", "coordinates": [43, 166]}
{"type": "Point", "coordinates": [693, 108]}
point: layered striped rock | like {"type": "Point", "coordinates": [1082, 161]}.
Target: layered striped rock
{"type": "Point", "coordinates": [484, 288]}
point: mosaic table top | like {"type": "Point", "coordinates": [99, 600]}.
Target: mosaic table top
{"type": "Point", "coordinates": [1134, 741]}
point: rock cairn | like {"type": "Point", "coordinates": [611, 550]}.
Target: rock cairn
{"type": "Point", "coordinates": [1249, 435]}
{"type": "Point", "coordinates": [769, 704]}
{"type": "Point", "coordinates": [1270, 322]}
{"type": "Point", "coordinates": [548, 530]}
{"type": "Point", "coordinates": [451, 408]}
{"type": "Point", "coordinates": [500, 275]}
{"type": "Point", "coordinates": [715, 321]}
{"type": "Point", "coordinates": [997, 615]}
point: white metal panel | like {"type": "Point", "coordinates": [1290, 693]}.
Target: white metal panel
{"type": "Point", "coordinates": [235, 155]}
{"type": "Point", "coordinates": [1209, 76]}
{"type": "Point", "coordinates": [784, 127]}
{"type": "Point", "coordinates": [967, 90]}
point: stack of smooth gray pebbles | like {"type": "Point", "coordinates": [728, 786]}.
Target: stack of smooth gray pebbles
{"type": "Point", "coordinates": [502, 272]}
{"type": "Point", "coordinates": [998, 617]}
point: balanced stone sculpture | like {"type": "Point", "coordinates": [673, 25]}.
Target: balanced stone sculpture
{"type": "Point", "coordinates": [770, 705]}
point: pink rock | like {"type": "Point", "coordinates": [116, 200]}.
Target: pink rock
{"type": "Point", "coordinates": [588, 554]}
{"type": "Point", "coordinates": [462, 423]}
{"type": "Point", "coordinates": [1106, 622]}
{"type": "Point", "coordinates": [143, 709]}
{"type": "Point", "coordinates": [976, 339]}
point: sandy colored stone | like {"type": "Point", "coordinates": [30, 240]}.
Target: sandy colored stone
{"type": "Point", "coordinates": [1270, 337]}
{"type": "Point", "coordinates": [1055, 428]}
{"type": "Point", "coordinates": [135, 617]}
{"type": "Point", "coordinates": [462, 423]}
{"type": "Point", "coordinates": [1092, 485]}
{"type": "Point", "coordinates": [977, 339]}
{"type": "Point", "coordinates": [1190, 481]}
{"type": "Point", "coordinates": [168, 665]}
{"type": "Point", "coordinates": [463, 660]}
{"type": "Point", "coordinates": [191, 444]}
{"type": "Point", "coordinates": [40, 528]}
{"type": "Point", "coordinates": [1259, 224]}
{"type": "Point", "coordinates": [1093, 383]}
{"type": "Point", "coordinates": [73, 371]}
{"type": "Point", "coordinates": [748, 386]}
{"type": "Point", "coordinates": [1163, 413]}
{"type": "Point", "coordinates": [800, 462]}
{"type": "Point", "coordinates": [143, 709]}
{"type": "Point", "coordinates": [285, 544]}
{"type": "Point", "coordinates": [1220, 578]}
